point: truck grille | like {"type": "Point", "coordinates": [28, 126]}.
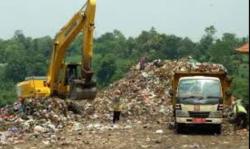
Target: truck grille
{"type": "Point", "coordinates": [199, 114]}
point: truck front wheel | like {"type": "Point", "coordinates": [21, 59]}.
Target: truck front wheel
{"type": "Point", "coordinates": [178, 128]}
{"type": "Point", "coordinates": [218, 129]}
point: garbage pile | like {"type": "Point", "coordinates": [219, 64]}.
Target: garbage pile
{"type": "Point", "coordinates": [145, 93]}
{"type": "Point", "coordinates": [48, 109]}
{"type": "Point", "coordinates": [37, 116]}
{"type": "Point", "coordinates": [144, 96]}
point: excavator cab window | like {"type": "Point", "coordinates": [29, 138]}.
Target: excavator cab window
{"type": "Point", "coordinates": [72, 73]}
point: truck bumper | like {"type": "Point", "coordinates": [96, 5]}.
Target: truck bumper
{"type": "Point", "coordinates": [189, 120]}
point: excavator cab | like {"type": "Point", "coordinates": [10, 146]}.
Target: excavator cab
{"type": "Point", "coordinates": [73, 71]}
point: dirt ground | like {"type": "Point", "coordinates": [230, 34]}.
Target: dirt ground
{"type": "Point", "coordinates": [137, 135]}
{"type": "Point", "coordinates": [50, 123]}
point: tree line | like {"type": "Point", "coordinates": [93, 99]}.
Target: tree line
{"type": "Point", "coordinates": [114, 54]}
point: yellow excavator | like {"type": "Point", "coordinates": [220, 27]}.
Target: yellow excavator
{"type": "Point", "coordinates": [66, 80]}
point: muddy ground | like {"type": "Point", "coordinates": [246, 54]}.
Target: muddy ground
{"type": "Point", "coordinates": [132, 135]}
{"type": "Point", "coordinates": [50, 123]}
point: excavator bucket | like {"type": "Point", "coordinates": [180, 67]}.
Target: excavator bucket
{"type": "Point", "coordinates": [79, 90]}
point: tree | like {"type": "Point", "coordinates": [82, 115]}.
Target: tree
{"type": "Point", "coordinates": [205, 44]}
{"type": "Point", "coordinates": [222, 51]}
{"type": "Point", "coordinates": [170, 46]}
{"type": "Point", "coordinates": [106, 70]}
{"type": "Point", "coordinates": [16, 69]}
{"type": "Point", "coordinates": [186, 48]}
{"type": "Point", "coordinates": [114, 54]}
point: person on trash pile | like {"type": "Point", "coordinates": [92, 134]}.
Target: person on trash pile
{"type": "Point", "coordinates": [142, 62]}
{"type": "Point", "coordinates": [117, 106]}
{"type": "Point", "coordinates": [239, 114]}
{"type": "Point", "coordinates": [22, 107]}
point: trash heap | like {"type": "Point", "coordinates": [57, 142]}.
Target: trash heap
{"type": "Point", "coordinates": [144, 95]}
{"type": "Point", "coordinates": [38, 117]}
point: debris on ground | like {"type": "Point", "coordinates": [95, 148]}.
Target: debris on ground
{"type": "Point", "coordinates": [144, 95]}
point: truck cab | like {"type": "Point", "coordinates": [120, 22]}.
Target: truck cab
{"type": "Point", "coordinates": [199, 99]}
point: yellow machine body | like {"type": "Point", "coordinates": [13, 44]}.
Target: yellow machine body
{"type": "Point", "coordinates": [33, 87]}
{"type": "Point", "coordinates": [67, 80]}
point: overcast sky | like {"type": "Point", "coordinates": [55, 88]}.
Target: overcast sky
{"type": "Point", "coordinates": [180, 17]}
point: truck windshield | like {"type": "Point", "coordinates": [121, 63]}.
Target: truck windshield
{"type": "Point", "coordinates": [199, 91]}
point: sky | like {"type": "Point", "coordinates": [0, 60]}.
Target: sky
{"type": "Point", "coordinates": [184, 18]}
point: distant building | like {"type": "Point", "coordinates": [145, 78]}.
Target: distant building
{"type": "Point", "coordinates": [244, 49]}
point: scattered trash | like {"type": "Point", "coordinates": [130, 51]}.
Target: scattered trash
{"type": "Point", "coordinates": [159, 131]}
{"type": "Point", "coordinates": [39, 129]}
{"type": "Point", "coordinates": [158, 141]}
{"type": "Point", "coordinates": [145, 96]}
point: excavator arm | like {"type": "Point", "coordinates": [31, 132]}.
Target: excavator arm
{"type": "Point", "coordinates": [63, 80]}
{"type": "Point", "coordinates": [82, 21]}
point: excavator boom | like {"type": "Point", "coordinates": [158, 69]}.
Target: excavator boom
{"type": "Point", "coordinates": [82, 21]}
{"type": "Point", "coordinates": [59, 80]}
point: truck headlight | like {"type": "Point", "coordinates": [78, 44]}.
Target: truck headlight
{"type": "Point", "coordinates": [215, 115]}
{"type": "Point", "coordinates": [181, 113]}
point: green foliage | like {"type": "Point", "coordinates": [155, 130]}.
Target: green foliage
{"type": "Point", "coordinates": [114, 54]}
{"type": "Point", "coordinates": [240, 88]}
{"type": "Point", "coordinates": [106, 70]}
{"type": "Point", "coordinates": [7, 89]}
{"type": "Point", "coordinates": [21, 57]}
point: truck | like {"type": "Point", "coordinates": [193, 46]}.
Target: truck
{"type": "Point", "coordinates": [198, 98]}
